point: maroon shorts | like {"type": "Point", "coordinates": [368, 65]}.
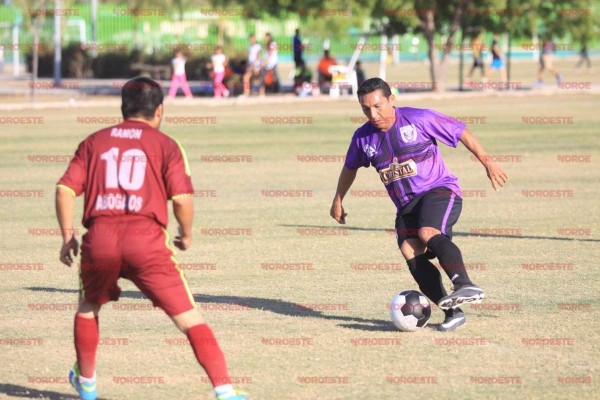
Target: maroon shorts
{"type": "Point", "coordinates": [134, 248]}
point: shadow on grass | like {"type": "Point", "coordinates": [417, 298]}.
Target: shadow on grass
{"type": "Point", "coordinates": [29, 393]}
{"type": "Point", "coordinates": [276, 306]}
{"type": "Point", "coordinates": [357, 228]}
{"type": "Point", "coordinates": [380, 326]}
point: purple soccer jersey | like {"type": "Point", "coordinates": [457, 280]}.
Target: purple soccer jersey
{"type": "Point", "coordinates": [407, 156]}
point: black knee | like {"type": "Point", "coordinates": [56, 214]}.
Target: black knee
{"type": "Point", "coordinates": [420, 267]}
{"type": "Point", "coordinates": [440, 245]}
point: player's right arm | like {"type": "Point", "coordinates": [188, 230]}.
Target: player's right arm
{"type": "Point", "coordinates": [183, 208]}
{"type": "Point", "coordinates": [65, 209]}
{"type": "Point", "coordinates": [345, 181]}
{"type": "Point", "coordinates": [178, 183]}
{"type": "Point", "coordinates": [70, 185]}
{"type": "Point", "coordinates": [355, 158]}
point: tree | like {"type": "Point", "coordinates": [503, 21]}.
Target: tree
{"type": "Point", "coordinates": [440, 18]}
{"type": "Point", "coordinates": [432, 19]}
{"type": "Point", "coordinates": [576, 18]}
{"type": "Point", "coordinates": [585, 25]}
{"type": "Point", "coordinates": [35, 16]}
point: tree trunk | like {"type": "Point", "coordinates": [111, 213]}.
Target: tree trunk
{"type": "Point", "coordinates": [428, 26]}
{"type": "Point", "coordinates": [438, 68]}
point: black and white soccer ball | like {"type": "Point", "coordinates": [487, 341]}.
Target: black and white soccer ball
{"type": "Point", "coordinates": [410, 310]}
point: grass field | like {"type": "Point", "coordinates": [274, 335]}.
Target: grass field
{"type": "Point", "coordinates": [537, 338]}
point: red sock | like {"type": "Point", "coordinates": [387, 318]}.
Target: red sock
{"type": "Point", "coordinates": [86, 342]}
{"type": "Point", "coordinates": [209, 354]}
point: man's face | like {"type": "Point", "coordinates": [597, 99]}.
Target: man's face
{"type": "Point", "coordinates": [379, 109]}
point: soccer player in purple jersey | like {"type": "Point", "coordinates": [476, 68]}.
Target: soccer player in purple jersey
{"type": "Point", "coordinates": [401, 143]}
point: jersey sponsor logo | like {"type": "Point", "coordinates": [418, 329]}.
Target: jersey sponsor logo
{"type": "Point", "coordinates": [408, 133]}
{"type": "Point", "coordinates": [126, 133]}
{"type": "Point", "coordinates": [369, 150]}
{"type": "Point", "coordinates": [396, 171]}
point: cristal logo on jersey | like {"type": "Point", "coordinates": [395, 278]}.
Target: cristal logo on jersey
{"type": "Point", "coordinates": [396, 171]}
{"type": "Point", "coordinates": [408, 133]}
{"type": "Point", "coordinates": [369, 150]}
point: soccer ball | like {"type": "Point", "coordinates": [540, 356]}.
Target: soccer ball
{"type": "Point", "coordinates": [410, 310]}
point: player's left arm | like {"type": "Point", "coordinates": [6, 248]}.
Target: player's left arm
{"type": "Point", "coordinates": [65, 209]}
{"type": "Point", "coordinates": [494, 172]}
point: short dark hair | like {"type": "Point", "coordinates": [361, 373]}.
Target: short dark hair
{"type": "Point", "coordinates": [373, 84]}
{"type": "Point", "coordinates": [141, 97]}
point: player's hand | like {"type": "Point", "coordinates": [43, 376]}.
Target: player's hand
{"type": "Point", "coordinates": [496, 175]}
{"type": "Point", "coordinates": [181, 241]}
{"type": "Point", "coordinates": [65, 251]}
{"type": "Point", "coordinates": [337, 212]}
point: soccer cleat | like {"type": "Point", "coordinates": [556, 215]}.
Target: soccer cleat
{"type": "Point", "coordinates": [87, 391]}
{"type": "Point", "coordinates": [465, 294]}
{"type": "Point", "coordinates": [235, 395]}
{"type": "Point", "coordinates": [454, 319]}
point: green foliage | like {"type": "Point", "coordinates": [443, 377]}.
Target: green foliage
{"type": "Point", "coordinates": [75, 62]}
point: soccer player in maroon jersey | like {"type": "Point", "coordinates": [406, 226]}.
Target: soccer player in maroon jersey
{"type": "Point", "coordinates": [127, 173]}
{"type": "Point", "coordinates": [401, 143]}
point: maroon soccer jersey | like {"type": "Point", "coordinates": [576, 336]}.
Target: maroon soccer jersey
{"type": "Point", "coordinates": [130, 168]}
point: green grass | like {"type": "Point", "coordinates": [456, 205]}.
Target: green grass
{"type": "Point", "coordinates": [276, 372]}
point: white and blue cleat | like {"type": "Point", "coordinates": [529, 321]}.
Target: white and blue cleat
{"type": "Point", "coordinates": [235, 395]}
{"type": "Point", "coordinates": [87, 391]}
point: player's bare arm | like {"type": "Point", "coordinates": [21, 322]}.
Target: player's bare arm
{"type": "Point", "coordinates": [345, 181]}
{"type": "Point", "coordinates": [65, 208]}
{"type": "Point", "coordinates": [183, 208]}
{"type": "Point", "coordinates": [494, 172]}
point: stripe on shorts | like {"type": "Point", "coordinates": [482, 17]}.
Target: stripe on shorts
{"type": "Point", "coordinates": [447, 214]}
{"type": "Point", "coordinates": [185, 283]}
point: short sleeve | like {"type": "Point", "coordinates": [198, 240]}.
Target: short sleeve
{"type": "Point", "coordinates": [177, 173]}
{"type": "Point", "coordinates": [356, 157]}
{"type": "Point", "coordinates": [74, 177]}
{"type": "Point", "coordinates": [442, 127]}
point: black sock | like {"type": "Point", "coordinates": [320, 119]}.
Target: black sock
{"type": "Point", "coordinates": [428, 277]}
{"type": "Point", "coordinates": [450, 259]}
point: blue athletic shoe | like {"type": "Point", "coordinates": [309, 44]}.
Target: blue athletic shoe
{"type": "Point", "coordinates": [236, 395]}
{"type": "Point", "coordinates": [87, 391]}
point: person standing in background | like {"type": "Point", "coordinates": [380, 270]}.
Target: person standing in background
{"type": "Point", "coordinates": [253, 65]}
{"type": "Point", "coordinates": [583, 57]}
{"type": "Point", "coordinates": [325, 76]}
{"type": "Point", "coordinates": [1, 58]}
{"type": "Point", "coordinates": [360, 73]}
{"type": "Point", "coordinates": [477, 48]}
{"type": "Point", "coordinates": [547, 62]}
{"type": "Point", "coordinates": [498, 59]}
{"type": "Point", "coordinates": [298, 48]}
{"type": "Point", "coordinates": [218, 61]}
{"type": "Point", "coordinates": [179, 77]}
{"type": "Point", "coordinates": [269, 72]}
